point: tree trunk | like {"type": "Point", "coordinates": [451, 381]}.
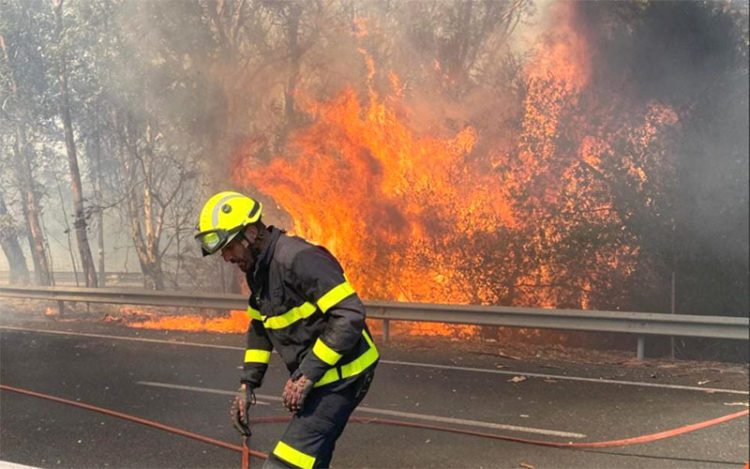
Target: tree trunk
{"type": "Point", "coordinates": [30, 207]}
{"type": "Point", "coordinates": [141, 226]}
{"type": "Point", "coordinates": [295, 53]}
{"type": "Point", "coordinates": [87, 260]}
{"type": "Point", "coordinates": [149, 260]}
{"type": "Point", "coordinates": [67, 234]}
{"type": "Point", "coordinates": [95, 150]}
{"type": "Point", "coordinates": [153, 275]}
{"type": "Point", "coordinates": [19, 272]}
{"type": "Point", "coordinates": [25, 181]}
{"type": "Point", "coordinates": [290, 90]}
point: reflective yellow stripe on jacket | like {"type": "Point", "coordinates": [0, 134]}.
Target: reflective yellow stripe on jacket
{"type": "Point", "coordinates": [354, 367]}
{"type": "Point", "coordinates": [253, 313]}
{"type": "Point", "coordinates": [281, 321]}
{"type": "Point", "coordinates": [334, 295]}
{"type": "Point", "coordinates": [257, 356]}
{"type": "Point", "coordinates": [326, 353]}
{"type": "Point", "coordinates": [305, 310]}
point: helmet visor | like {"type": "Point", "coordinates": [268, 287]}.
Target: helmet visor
{"type": "Point", "coordinates": [212, 241]}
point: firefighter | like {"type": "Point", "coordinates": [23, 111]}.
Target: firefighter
{"type": "Point", "coordinates": [302, 305]}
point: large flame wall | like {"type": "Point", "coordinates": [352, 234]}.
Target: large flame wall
{"type": "Point", "coordinates": [455, 216]}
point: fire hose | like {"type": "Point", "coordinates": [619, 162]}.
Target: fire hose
{"type": "Point", "coordinates": [246, 452]}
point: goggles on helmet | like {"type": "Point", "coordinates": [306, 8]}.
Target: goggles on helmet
{"type": "Point", "coordinates": [212, 241]}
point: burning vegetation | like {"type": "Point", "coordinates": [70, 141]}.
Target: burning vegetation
{"type": "Point", "coordinates": [235, 322]}
{"type": "Point", "coordinates": [524, 213]}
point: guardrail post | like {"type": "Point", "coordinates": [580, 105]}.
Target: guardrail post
{"type": "Point", "coordinates": [641, 347]}
{"type": "Point", "coordinates": [386, 326]}
{"type": "Point", "coordinates": [60, 308]}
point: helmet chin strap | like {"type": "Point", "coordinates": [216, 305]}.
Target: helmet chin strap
{"type": "Point", "coordinates": [244, 241]}
{"type": "Point", "coordinates": [254, 247]}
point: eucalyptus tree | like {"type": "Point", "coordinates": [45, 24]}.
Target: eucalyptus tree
{"type": "Point", "coordinates": [62, 75]}
{"type": "Point", "coordinates": [24, 71]}
{"type": "Point", "coordinates": [89, 47]}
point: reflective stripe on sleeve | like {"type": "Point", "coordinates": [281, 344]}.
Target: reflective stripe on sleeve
{"type": "Point", "coordinates": [334, 295]}
{"type": "Point", "coordinates": [290, 317]}
{"type": "Point", "coordinates": [326, 353]}
{"type": "Point", "coordinates": [257, 356]}
{"type": "Point", "coordinates": [354, 367]}
{"type": "Point", "coordinates": [293, 456]}
{"type": "Point", "coordinates": [253, 313]}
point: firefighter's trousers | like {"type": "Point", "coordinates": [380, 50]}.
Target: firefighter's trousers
{"type": "Point", "coordinates": [310, 438]}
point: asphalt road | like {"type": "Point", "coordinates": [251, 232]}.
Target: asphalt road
{"type": "Point", "coordinates": [186, 380]}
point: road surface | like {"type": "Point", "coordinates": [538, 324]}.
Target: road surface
{"type": "Point", "coordinates": [186, 380]}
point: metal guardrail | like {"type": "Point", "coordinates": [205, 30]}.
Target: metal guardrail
{"type": "Point", "coordinates": [64, 277]}
{"type": "Point", "coordinates": [640, 324]}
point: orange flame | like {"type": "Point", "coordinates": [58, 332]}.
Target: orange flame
{"type": "Point", "coordinates": [235, 323]}
{"type": "Point", "coordinates": [562, 53]}
{"type": "Point", "coordinates": [390, 202]}
{"type": "Point", "coordinates": [367, 187]}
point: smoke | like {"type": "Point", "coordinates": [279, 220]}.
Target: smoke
{"type": "Point", "coordinates": [693, 57]}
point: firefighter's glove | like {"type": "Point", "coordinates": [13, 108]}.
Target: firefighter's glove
{"type": "Point", "coordinates": [295, 391]}
{"type": "Point", "coordinates": [240, 410]}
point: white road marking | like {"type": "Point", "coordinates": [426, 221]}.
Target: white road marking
{"type": "Point", "coordinates": [415, 364]}
{"type": "Point", "coordinates": [12, 465]}
{"type": "Point", "coordinates": [117, 337]}
{"type": "Point", "coordinates": [206, 390]}
{"type": "Point", "coordinates": [569, 378]}
{"type": "Point", "coordinates": [392, 413]}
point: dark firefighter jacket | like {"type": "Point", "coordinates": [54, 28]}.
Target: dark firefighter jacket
{"type": "Point", "coordinates": [302, 305]}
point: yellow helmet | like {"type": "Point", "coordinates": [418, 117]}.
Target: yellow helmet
{"type": "Point", "coordinates": [223, 217]}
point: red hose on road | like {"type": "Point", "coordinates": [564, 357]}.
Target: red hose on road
{"type": "Point", "coordinates": [245, 454]}
{"type": "Point", "coordinates": [594, 444]}
{"type": "Point", "coordinates": [555, 444]}
{"type": "Point", "coordinates": [132, 418]}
